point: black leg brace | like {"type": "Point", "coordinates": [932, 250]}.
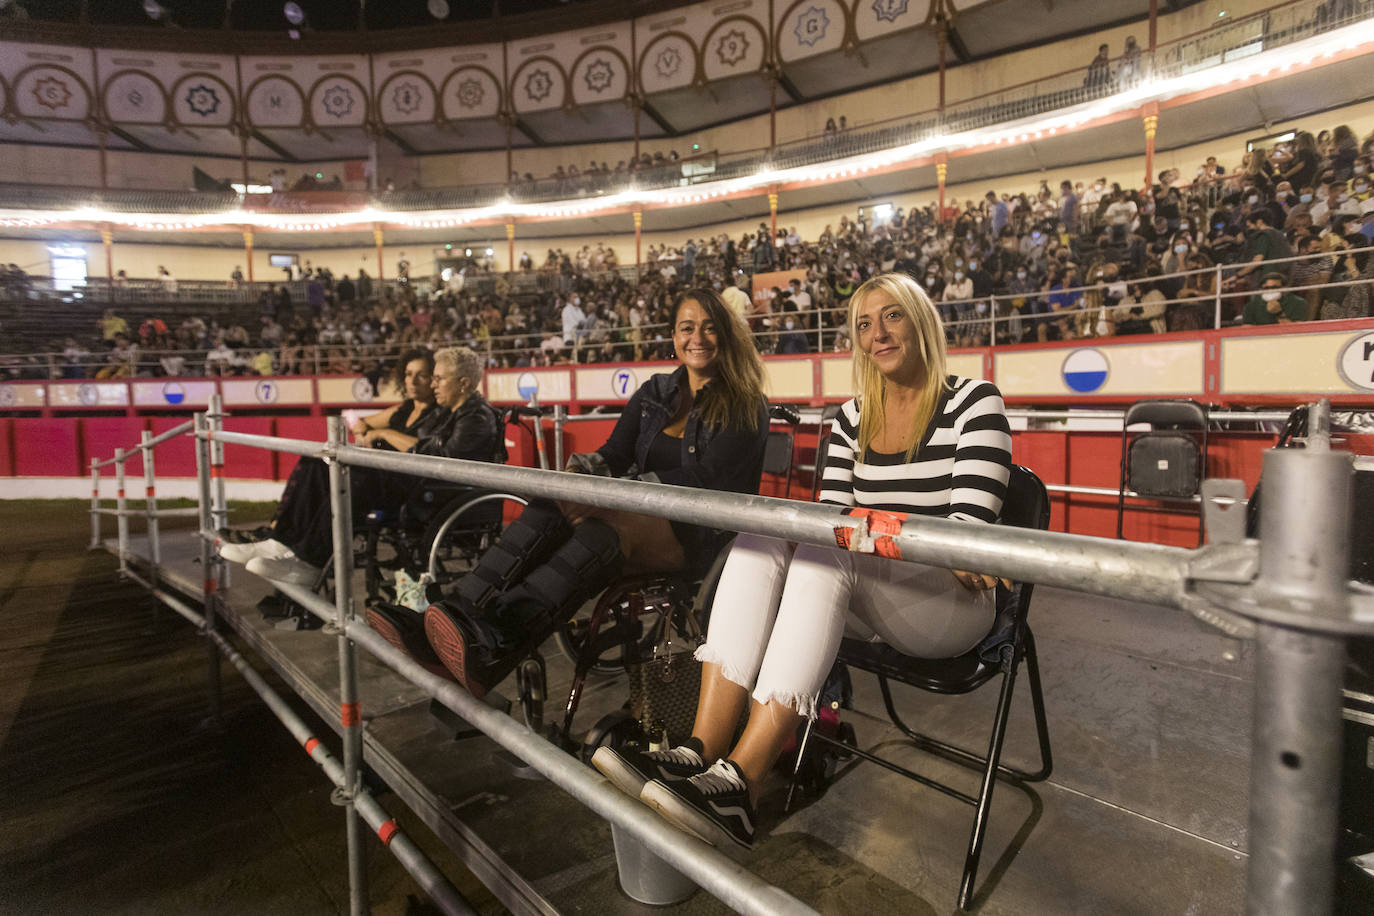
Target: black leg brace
{"type": "Point", "coordinates": [526, 543]}
{"type": "Point", "coordinates": [581, 568]}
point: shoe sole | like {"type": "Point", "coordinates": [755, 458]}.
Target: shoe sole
{"type": "Point", "coordinates": [687, 818]}
{"type": "Point", "coordinates": [447, 642]}
{"type": "Point", "coordinates": [623, 776]}
{"type": "Point", "coordinates": [388, 631]}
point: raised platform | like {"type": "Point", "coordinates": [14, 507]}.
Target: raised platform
{"type": "Point", "coordinates": [1149, 716]}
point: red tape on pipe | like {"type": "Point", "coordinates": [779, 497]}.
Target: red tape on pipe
{"type": "Point", "coordinates": [881, 527]}
{"type": "Point", "coordinates": [311, 744]}
{"type": "Point", "coordinates": [349, 714]}
{"type": "Point", "coordinates": [387, 831]}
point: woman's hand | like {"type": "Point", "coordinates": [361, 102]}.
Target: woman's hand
{"type": "Point", "coordinates": [358, 429]}
{"type": "Point", "coordinates": [978, 582]}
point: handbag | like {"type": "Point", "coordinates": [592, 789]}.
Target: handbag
{"type": "Point", "coordinates": [664, 687]}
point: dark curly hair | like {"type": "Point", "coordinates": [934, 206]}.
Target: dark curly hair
{"type": "Point", "coordinates": [398, 371]}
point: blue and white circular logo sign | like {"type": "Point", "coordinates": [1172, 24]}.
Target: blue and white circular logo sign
{"type": "Point", "coordinates": [527, 385]}
{"type": "Point", "coordinates": [173, 393]}
{"type": "Point", "coordinates": [623, 382]}
{"type": "Point", "coordinates": [1085, 370]}
{"type": "Point", "coordinates": [266, 392]}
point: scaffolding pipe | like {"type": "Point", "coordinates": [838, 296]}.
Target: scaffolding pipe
{"type": "Point", "coordinates": [1295, 758]}
{"type": "Point", "coordinates": [209, 558]}
{"type": "Point", "coordinates": [350, 711]}
{"type": "Point", "coordinates": [121, 459]}
{"type": "Point", "coordinates": [171, 601]}
{"type": "Point", "coordinates": [431, 880]}
{"type": "Point", "coordinates": [1149, 573]}
{"type": "Point", "coordinates": [150, 495]}
{"type": "Point", "coordinates": [179, 429]}
{"type": "Point", "coordinates": [95, 505]}
{"type": "Point", "coordinates": [711, 869]}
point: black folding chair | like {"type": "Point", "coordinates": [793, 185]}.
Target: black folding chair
{"type": "Point", "coordinates": [1169, 459]}
{"type": "Point", "coordinates": [1026, 506]}
{"type": "Point", "coordinates": [778, 448]}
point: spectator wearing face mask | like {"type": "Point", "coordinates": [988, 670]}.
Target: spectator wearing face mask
{"type": "Point", "coordinates": [1068, 206]}
{"type": "Point", "coordinates": [1270, 305]}
{"type": "Point", "coordinates": [1311, 272]}
{"type": "Point", "coordinates": [959, 312]}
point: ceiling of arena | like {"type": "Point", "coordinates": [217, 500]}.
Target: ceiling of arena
{"type": "Point", "coordinates": [564, 71]}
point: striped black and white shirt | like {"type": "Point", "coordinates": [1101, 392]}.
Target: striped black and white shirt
{"type": "Point", "coordinates": [960, 470]}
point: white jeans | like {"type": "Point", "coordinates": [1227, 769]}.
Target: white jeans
{"type": "Point", "coordinates": [780, 611]}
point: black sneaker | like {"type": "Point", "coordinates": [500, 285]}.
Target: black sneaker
{"type": "Point", "coordinates": [630, 769]}
{"type": "Point", "coordinates": [713, 805]}
{"type": "Point", "coordinates": [405, 629]}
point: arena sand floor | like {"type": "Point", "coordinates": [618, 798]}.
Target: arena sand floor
{"type": "Point", "coordinates": [116, 797]}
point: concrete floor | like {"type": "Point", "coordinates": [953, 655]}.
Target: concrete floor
{"type": "Point", "coordinates": [1145, 812]}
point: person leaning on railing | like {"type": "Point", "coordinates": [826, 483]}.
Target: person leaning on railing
{"type": "Point", "coordinates": [1271, 305]}
{"type": "Point", "coordinates": [299, 540]}
{"type": "Point", "coordinates": [913, 441]}
{"type": "Point", "coordinates": [704, 425]}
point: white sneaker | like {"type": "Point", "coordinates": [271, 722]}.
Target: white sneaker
{"type": "Point", "coordinates": [290, 569]}
{"type": "Point", "coordinates": [242, 553]}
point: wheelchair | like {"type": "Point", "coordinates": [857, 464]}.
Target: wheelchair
{"type": "Point", "coordinates": [439, 532]}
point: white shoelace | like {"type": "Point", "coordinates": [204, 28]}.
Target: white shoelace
{"type": "Point", "coordinates": [721, 778]}
{"type": "Point", "coordinates": [681, 754]}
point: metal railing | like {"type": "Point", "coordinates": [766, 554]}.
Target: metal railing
{"type": "Point", "coordinates": [997, 320]}
{"type": "Point", "coordinates": [1287, 591]}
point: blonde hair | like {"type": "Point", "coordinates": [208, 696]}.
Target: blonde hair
{"type": "Point", "coordinates": [869, 385]}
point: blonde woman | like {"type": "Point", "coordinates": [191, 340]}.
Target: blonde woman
{"type": "Point", "coordinates": [914, 440]}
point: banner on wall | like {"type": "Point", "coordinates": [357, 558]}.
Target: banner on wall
{"type": "Point", "coordinates": [764, 283]}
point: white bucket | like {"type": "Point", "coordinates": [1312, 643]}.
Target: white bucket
{"type": "Point", "coordinates": [646, 878]}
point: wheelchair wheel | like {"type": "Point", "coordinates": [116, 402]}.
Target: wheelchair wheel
{"type": "Point", "coordinates": [463, 530]}
{"type": "Point", "coordinates": [616, 729]}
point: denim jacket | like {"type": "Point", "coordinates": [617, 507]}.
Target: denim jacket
{"type": "Point", "coordinates": [713, 458]}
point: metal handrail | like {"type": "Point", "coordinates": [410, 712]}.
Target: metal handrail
{"type": "Point", "coordinates": [1155, 574]}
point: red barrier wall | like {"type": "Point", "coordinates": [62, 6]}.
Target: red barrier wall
{"type": "Point", "coordinates": [175, 457]}
{"type": "Point", "coordinates": [47, 448]}
{"type": "Point", "coordinates": [6, 447]}
{"type": "Point", "coordinates": [244, 461]}
{"type": "Point", "coordinates": [100, 436]}
{"type": "Point", "coordinates": [312, 428]}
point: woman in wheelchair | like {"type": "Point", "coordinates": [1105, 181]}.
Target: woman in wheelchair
{"type": "Point", "coordinates": [400, 426]}
{"type": "Point", "coordinates": [300, 540]}
{"type": "Point", "coordinates": [703, 425]}
{"type": "Point", "coordinates": [913, 440]}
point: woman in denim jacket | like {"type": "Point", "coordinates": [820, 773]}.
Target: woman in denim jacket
{"type": "Point", "coordinates": [703, 425]}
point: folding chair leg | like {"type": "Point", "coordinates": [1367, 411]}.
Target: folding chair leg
{"type": "Point", "coordinates": [796, 767]}
{"type": "Point", "coordinates": [1042, 728]}
{"type": "Point", "coordinates": [980, 821]}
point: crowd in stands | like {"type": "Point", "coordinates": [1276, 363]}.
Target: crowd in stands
{"type": "Point", "coordinates": [1083, 260]}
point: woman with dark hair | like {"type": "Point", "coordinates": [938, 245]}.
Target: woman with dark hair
{"type": "Point", "coordinates": [914, 440]}
{"type": "Point", "coordinates": [298, 543]}
{"type": "Point", "coordinates": [399, 427]}
{"type": "Point", "coordinates": [703, 425]}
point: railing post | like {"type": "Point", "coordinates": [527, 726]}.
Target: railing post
{"type": "Point", "coordinates": [560, 416]}
{"type": "Point", "coordinates": [121, 520]}
{"type": "Point", "coordinates": [150, 493]}
{"type": "Point", "coordinates": [1295, 757]}
{"type": "Point", "coordinates": [341, 508]}
{"type": "Point", "coordinates": [219, 504]}
{"type": "Point", "coordinates": [209, 559]}
{"type": "Point", "coordinates": [1217, 319]}
{"type": "Point", "coordinates": [95, 506]}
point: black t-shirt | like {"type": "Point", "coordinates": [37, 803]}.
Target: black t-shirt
{"type": "Point", "coordinates": [665, 454]}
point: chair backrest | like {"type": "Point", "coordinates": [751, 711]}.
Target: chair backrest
{"type": "Point", "coordinates": [1167, 414]}
{"type": "Point", "coordinates": [828, 416]}
{"type": "Point", "coordinates": [1170, 459]}
{"type": "Point", "coordinates": [1027, 504]}
{"type": "Point", "coordinates": [777, 453]}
